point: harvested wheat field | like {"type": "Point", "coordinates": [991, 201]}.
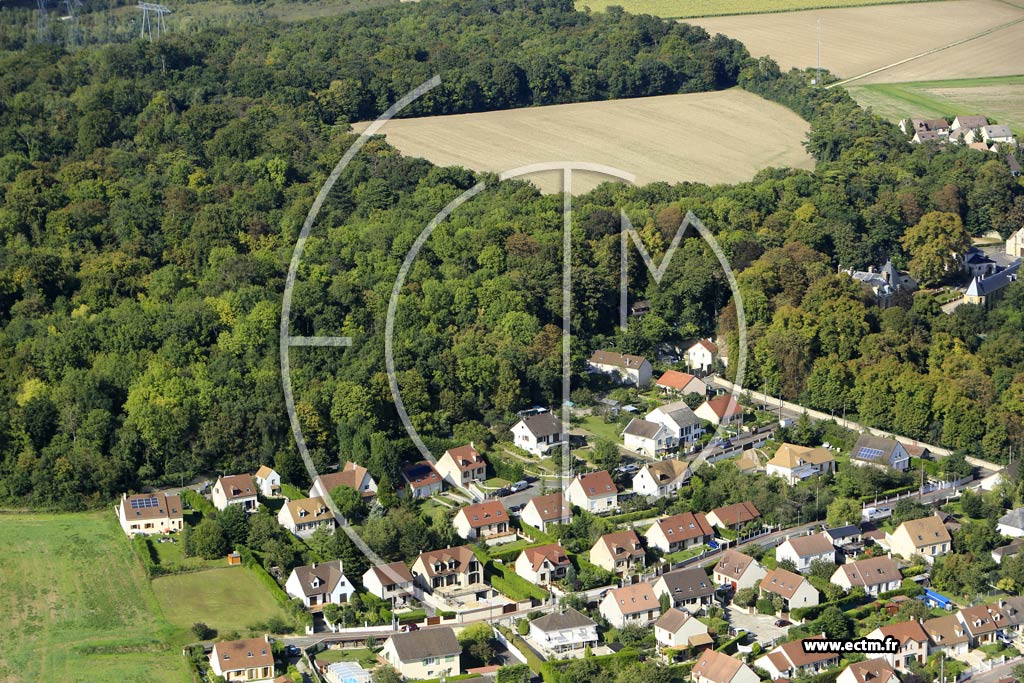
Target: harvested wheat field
{"type": "Point", "coordinates": [719, 137]}
{"type": "Point", "coordinates": [678, 9]}
{"type": "Point", "coordinates": [860, 39]}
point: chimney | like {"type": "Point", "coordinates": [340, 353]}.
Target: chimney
{"type": "Point", "coordinates": [313, 566]}
{"type": "Point", "coordinates": [886, 275]}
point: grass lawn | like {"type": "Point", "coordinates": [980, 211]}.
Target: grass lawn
{"type": "Point", "coordinates": [601, 429]}
{"type": "Point", "coordinates": [171, 554]}
{"type": "Point", "coordinates": [227, 599]}
{"type": "Point", "coordinates": [999, 98]}
{"type": "Point", "coordinates": [77, 606]}
{"type": "Point", "coordinates": [291, 492]}
{"type": "Point", "coordinates": [685, 554]}
{"type": "Point", "coordinates": [706, 8]}
{"type": "Point", "coordinates": [362, 656]}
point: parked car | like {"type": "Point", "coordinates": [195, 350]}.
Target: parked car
{"type": "Point", "coordinates": [713, 545]}
{"type": "Point", "coordinates": [292, 651]}
{"type": "Point", "coordinates": [408, 628]}
{"type": "Point", "coordinates": [781, 622]}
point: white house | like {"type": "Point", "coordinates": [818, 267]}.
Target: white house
{"type": "Point", "coordinates": [660, 479]}
{"type": "Point", "coordinates": [874, 574]}
{"type": "Point", "coordinates": [462, 465]}
{"type": "Point", "coordinates": [593, 492]}
{"type": "Point", "coordinates": [690, 589]}
{"type": "Point", "coordinates": [250, 660]}
{"type": "Point", "coordinates": [630, 605]}
{"type": "Point", "coordinates": [543, 565]}
{"type": "Point", "coordinates": [421, 480]}
{"type": "Point", "coordinates": [927, 537]}
{"type": "Point", "coordinates": [969, 122]}
{"type": "Point", "coordinates": [997, 133]}
{"type": "Point", "coordinates": [681, 383]}
{"type": "Point", "coordinates": [682, 423]}
{"type": "Point", "coordinates": [679, 629]}
{"type": "Point", "coordinates": [236, 489]}
{"type": "Point", "coordinates": [946, 634]}
{"type": "Point", "coordinates": [795, 590]}
{"type": "Point", "coordinates": [796, 463]}
{"type": "Point", "coordinates": [352, 475]}
{"type": "Point", "coordinates": [430, 653]}
{"type": "Point", "coordinates": [1012, 523]}
{"type": "Point", "coordinates": [718, 667]}
{"type": "Point", "coordinates": [913, 644]}
{"type": "Point", "coordinates": [803, 550]}
{"type": "Point", "coordinates": [537, 433]}
{"type": "Point", "coordinates": [721, 410]}
{"type": "Point", "coordinates": [619, 552]}
{"type": "Point", "coordinates": [734, 516]}
{"type": "Point", "coordinates": [562, 632]}
{"type": "Point", "coordinates": [487, 520]}
{"type": "Point", "coordinates": [304, 516]}
{"type": "Point", "coordinates": [878, 451]}
{"type": "Point", "coordinates": [868, 671]}
{"type": "Point", "coordinates": [738, 570]}
{"type": "Point", "coordinates": [679, 532]}
{"type": "Point", "coordinates": [318, 584]}
{"type": "Point", "coordinates": [389, 581]}
{"type": "Point", "coordinates": [544, 511]}
{"type": "Point", "coordinates": [789, 660]}
{"type": "Point", "coordinates": [646, 438]}
{"type": "Point", "coordinates": [150, 513]}
{"type": "Point", "coordinates": [268, 482]}
{"type": "Point", "coordinates": [624, 368]}
{"type": "Point", "coordinates": [701, 356]}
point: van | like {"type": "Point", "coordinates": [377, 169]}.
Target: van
{"type": "Point", "coordinates": [519, 486]}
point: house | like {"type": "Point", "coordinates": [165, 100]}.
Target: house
{"type": "Point", "coordinates": [946, 634]}
{"type": "Point", "coordinates": [738, 570]}
{"type": "Point", "coordinates": [790, 661]}
{"type": "Point", "coordinates": [304, 516]}
{"type": "Point", "coordinates": [979, 146]}
{"type": "Point", "coordinates": [913, 643]}
{"type": "Point", "coordinates": [646, 438]}
{"type": "Point", "coordinates": [430, 653]}
{"type": "Point", "coordinates": [462, 465]}
{"type": "Point", "coordinates": [718, 667]}
{"type": "Point", "coordinates": [631, 605]}
{"type": "Point", "coordinates": [997, 133]}
{"type": "Point", "coordinates": [938, 126]}
{"type": "Point", "coordinates": [640, 308]}
{"type": "Point", "coordinates": [721, 410]}
{"type": "Point", "coordinates": [678, 532]}
{"type": "Point", "coordinates": [986, 290]}
{"type": "Point", "coordinates": [874, 574]}
{"type": "Point", "coordinates": [796, 463]}
{"type": "Point", "coordinates": [250, 660]}
{"type": "Point", "coordinates": [878, 451]}
{"type": "Point", "coordinates": [734, 516]}
{"type": "Point", "coordinates": [485, 520]}
{"type": "Point", "coordinates": [682, 423]}
{"type": "Point", "coordinates": [690, 589]}
{"type": "Point", "coordinates": [982, 623]}
{"type": "Point", "coordinates": [561, 632]}
{"type": "Point", "coordinates": [923, 136]}
{"type": "Point", "coordinates": [421, 480]}
{"type": "Point", "coordinates": [593, 492]}
{"type": "Point", "coordinates": [795, 590]}
{"type": "Point", "coordinates": [537, 433]}
{"type": "Point", "coordinates": [678, 383]}
{"type": "Point", "coordinates": [543, 564]}
{"type": "Point", "coordinates": [267, 481]}
{"type": "Point", "coordinates": [1012, 523]}
{"type": "Point", "coordinates": [320, 583]}
{"type": "Point", "coordinates": [1015, 244]}
{"type": "Point", "coordinates": [1009, 550]}
{"type": "Point", "coordinates": [150, 513]}
{"type": "Point", "coordinates": [660, 479]}
{"type": "Point", "coordinates": [1012, 609]}
{"type": "Point", "coordinates": [448, 568]}
{"type": "Point", "coordinates": [343, 672]}
{"type": "Point", "coordinates": [968, 122]}
{"type": "Point", "coordinates": [927, 537]}
{"type": "Point", "coordinates": [965, 136]}
{"type": "Point", "coordinates": [678, 629]}
{"type": "Point", "coordinates": [619, 552]}
{"type": "Point", "coordinates": [751, 461]}
{"type": "Point", "coordinates": [622, 367]}
{"type": "Point", "coordinates": [887, 281]}
{"type": "Point", "coordinates": [389, 581]}
{"type": "Point", "coordinates": [351, 475]}
{"type": "Point", "coordinates": [701, 356]}
{"type": "Point", "coordinates": [544, 511]}
{"type": "Point", "coordinates": [236, 489]}
{"type": "Point", "coordinates": [844, 535]}
{"type": "Point", "coordinates": [1014, 165]}
{"type": "Point", "coordinates": [803, 550]}
{"type": "Point", "coordinates": [868, 671]}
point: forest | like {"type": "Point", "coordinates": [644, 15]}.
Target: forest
{"type": "Point", "coordinates": [151, 194]}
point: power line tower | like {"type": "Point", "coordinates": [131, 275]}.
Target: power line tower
{"type": "Point", "coordinates": [42, 22]}
{"type": "Point", "coordinates": [74, 37]}
{"type": "Point", "coordinates": [148, 10]}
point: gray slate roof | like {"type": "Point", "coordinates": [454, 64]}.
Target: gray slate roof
{"type": "Point", "coordinates": [642, 428]}
{"type": "Point", "coordinates": [430, 642]}
{"type": "Point", "coordinates": [1013, 518]}
{"type": "Point", "coordinates": [559, 621]}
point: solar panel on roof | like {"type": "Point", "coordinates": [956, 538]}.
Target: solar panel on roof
{"type": "Point", "coordinates": [869, 453]}
{"type": "Point", "coordinates": [140, 503]}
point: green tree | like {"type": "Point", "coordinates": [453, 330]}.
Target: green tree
{"type": "Point", "coordinates": [349, 502]}
{"type": "Point", "coordinates": [843, 511]}
{"type": "Point", "coordinates": [607, 454]}
{"type": "Point", "coordinates": [936, 246]}
{"type": "Point", "coordinates": [207, 540]}
{"type": "Point", "coordinates": [235, 523]}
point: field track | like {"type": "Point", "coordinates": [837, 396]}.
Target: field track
{"type": "Point", "coordinates": [719, 137]}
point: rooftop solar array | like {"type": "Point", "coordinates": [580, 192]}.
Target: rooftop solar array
{"type": "Point", "coordinates": [140, 503]}
{"type": "Point", "coordinates": [869, 453]}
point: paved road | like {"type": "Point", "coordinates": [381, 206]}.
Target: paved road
{"type": "Point", "coordinates": [996, 673]}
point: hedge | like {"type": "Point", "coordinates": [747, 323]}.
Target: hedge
{"type": "Point", "coordinates": [250, 562]}
{"type": "Point", "coordinates": [147, 553]}
{"type": "Point", "coordinates": [613, 663]}
{"type": "Point", "coordinates": [514, 586]}
{"type": "Point", "coordinates": [729, 646]}
{"type": "Point", "coordinates": [624, 517]}
{"type": "Point", "coordinates": [891, 492]}
{"type": "Point", "coordinates": [535, 533]}
{"type": "Point", "coordinates": [536, 665]}
{"type": "Point", "coordinates": [197, 502]}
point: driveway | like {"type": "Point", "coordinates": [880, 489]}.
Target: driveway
{"type": "Point", "coordinates": [763, 627]}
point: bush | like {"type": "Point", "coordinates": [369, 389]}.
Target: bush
{"type": "Point", "coordinates": [522, 627]}
{"type": "Point", "coordinates": [203, 632]}
{"type": "Point", "coordinates": [197, 502]}
{"type": "Point", "coordinates": [765, 606]}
